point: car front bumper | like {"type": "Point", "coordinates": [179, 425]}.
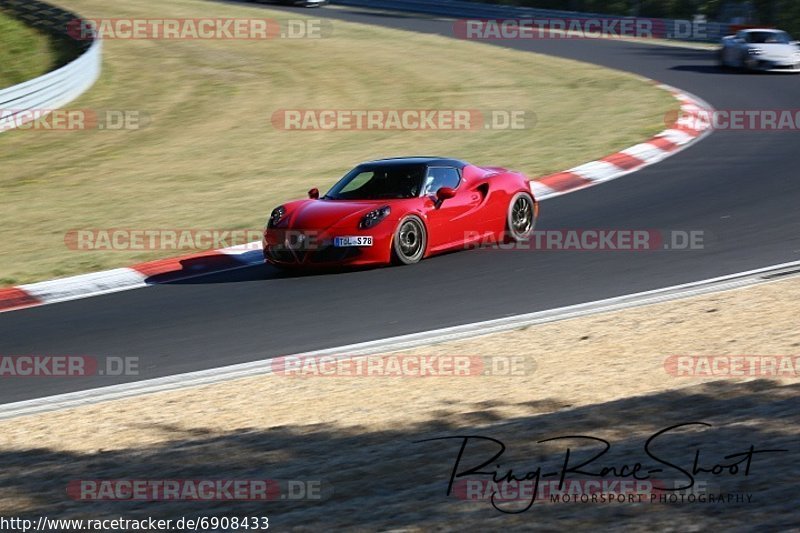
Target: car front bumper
{"type": "Point", "coordinates": [773, 65]}
{"type": "Point", "coordinates": [308, 249]}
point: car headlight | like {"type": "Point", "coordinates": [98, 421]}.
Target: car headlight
{"type": "Point", "coordinates": [276, 216]}
{"type": "Point", "coordinates": [755, 51]}
{"type": "Point", "coordinates": [374, 216]}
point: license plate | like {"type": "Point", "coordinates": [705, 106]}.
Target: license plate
{"type": "Point", "coordinates": [342, 242]}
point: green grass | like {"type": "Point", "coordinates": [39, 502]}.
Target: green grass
{"type": "Point", "coordinates": [25, 53]}
{"type": "Point", "coordinates": [210, 158]}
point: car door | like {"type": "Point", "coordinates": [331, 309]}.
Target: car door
{"type": "Point", "coordinates": [728, 45]}
{"type": "Point", "coordinates": [449, 219]}
{"type": "Point", "coordinates": [738, 52]}
{"type": "Point", "coordinates": [731, 50]}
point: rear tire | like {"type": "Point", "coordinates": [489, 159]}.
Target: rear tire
{"type": "Point", "coordinates": [409, 242]}
{"type": "Point", "coordinates": [747, 63]}
{"type": "Point", "coordinates": [521, 217]}
{"type": "Point", "coordinates": [721, 61]}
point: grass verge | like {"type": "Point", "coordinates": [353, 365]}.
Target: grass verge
{"type": "Point", "coordinates": [25, 53]}
{"type": "Point", "coordinates": [210, 158]}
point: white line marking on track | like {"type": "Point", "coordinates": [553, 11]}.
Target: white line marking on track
{"type": "Point", "coordinates": [402, 342]}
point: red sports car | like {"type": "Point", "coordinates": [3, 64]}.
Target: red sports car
{"type": "Point", "coordinates": [399, 211]}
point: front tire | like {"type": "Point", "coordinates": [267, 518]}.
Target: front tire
{"type": "Point", "coordinates": [409, 242]}
{"type": "Point", "coordinates": [521, 217]}
{"type": "Point", "coordinates": [747, 63]}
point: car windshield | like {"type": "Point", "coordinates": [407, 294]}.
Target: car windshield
{"type": "Point", "coordinates": [765, 37]}
{"type": "Point", "coordinates": [381, 181]}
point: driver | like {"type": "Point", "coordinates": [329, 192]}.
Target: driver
{"type": "Point", "coordinates": [428, 187]}
{"type": "Point", "coordinates": [407, 186]}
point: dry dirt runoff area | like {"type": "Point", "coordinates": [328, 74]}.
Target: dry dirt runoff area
{"type": "Point", "coordinates": [606, 376]}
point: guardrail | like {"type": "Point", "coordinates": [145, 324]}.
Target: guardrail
{"type": "Point", "coordinates": [56, 88]}
{"type": "Point", "coordinates": [461, 9]}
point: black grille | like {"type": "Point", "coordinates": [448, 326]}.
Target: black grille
{"type": "Point", "coordinates": [330, 254]}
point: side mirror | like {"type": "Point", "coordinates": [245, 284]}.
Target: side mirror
{"type": "Point", "coordinates": [444, 193]}
{"type": "Point", "coordinates": [313, 194]}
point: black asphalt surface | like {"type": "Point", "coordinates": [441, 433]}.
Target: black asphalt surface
{"type": "Point", "coordinates": [741, 188]}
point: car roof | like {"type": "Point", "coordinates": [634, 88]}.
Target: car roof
{"type": "Point", "coordinates": [772, 30]}
{"type": "Point", "coordinates": [418, 160]}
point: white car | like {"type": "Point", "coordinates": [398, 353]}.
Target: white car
{"type": "Point", "coordinates": [303, 3]}
{"type": "Point", "coordinates": [760, 49]}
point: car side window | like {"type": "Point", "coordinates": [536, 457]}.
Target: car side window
{"type": "Point", "coordinates": [358, 182]}
{"type": "Point", "coordinates": [439, 177]}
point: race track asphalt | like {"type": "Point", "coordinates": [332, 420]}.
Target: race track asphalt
{"type": "Point", "coordinates": [742, 189]}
